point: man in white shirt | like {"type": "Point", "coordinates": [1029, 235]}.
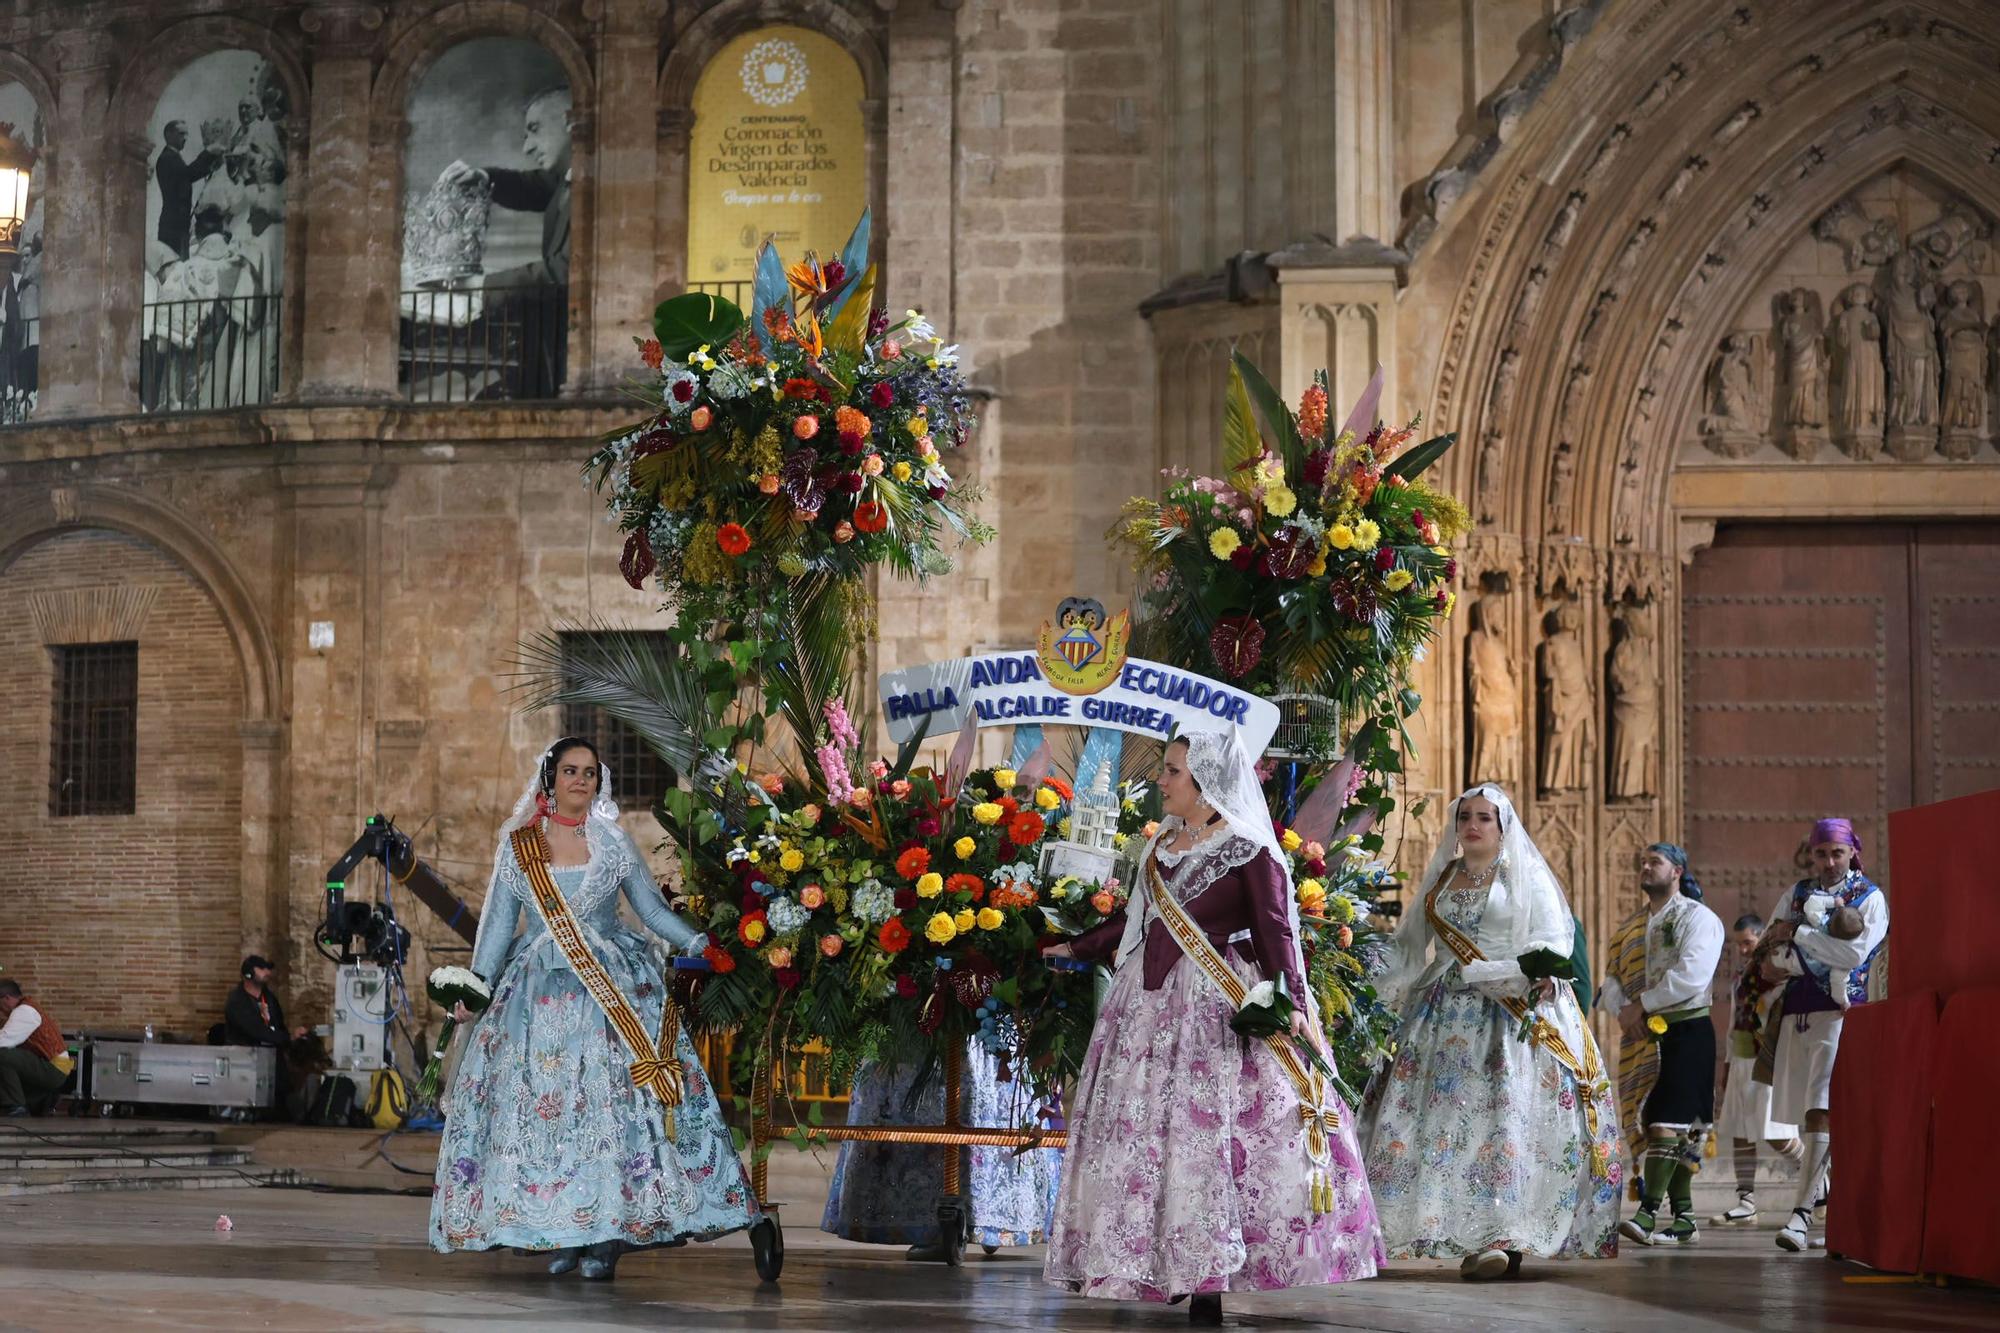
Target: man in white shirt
{"type": "Point", "coordinates": [34, 1060]}
{"type": "Point", "coordinates": [1806, 960]}
{"type": "Point", "coordinates": [1683, 946]}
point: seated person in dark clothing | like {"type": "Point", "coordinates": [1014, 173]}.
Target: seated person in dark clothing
{"type": "Point", "coordinates": [252, 1015]}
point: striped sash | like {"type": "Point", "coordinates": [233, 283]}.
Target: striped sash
{"type": "Point", "coordinates": [1592, 1086]}
{"type": "Point", "coordinates": [654, 1064]}
{"type": "Point", "coordinates": [1317, 1105]}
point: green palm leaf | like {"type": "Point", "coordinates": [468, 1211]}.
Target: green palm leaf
{"type": "Point", "coordinates": [660, 696]}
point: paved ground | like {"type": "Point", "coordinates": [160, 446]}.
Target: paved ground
{"type": "Point", "coordinates": [296, 1260]}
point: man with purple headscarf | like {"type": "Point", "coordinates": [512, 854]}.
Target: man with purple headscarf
{"type": "Point", "coordinates": [1808, 959]}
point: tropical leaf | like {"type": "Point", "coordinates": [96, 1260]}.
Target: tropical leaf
{"type": "Point", "coordinates": [661, 696]}
{"type": "Point", "coordinates": [1414, 460]}
{"type": "Point", "coordinates": [1271, 406]}
{"type": "Point", "coordinates": [810, 668]}
{"type": "Point", "coordinates": [683, 323]}
{"type": "Point", "coordinates": [1242, 446]}
{"type": "Point", "coordinates": [769, 291]}
{"type": "Point", "coordinates": [854, 258]}
{"type": "Point", "coordinates": [848, 330]}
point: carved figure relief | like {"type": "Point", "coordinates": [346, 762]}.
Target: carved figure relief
{"type": "Point", "coordinates": [1802, 414]}
{"type": "Point", "coordinates": [1490, 481]}
{"type": "Point", "coordinates": [1625, 509]}
{"type": "Point", "coordinates": [1912, 357]}
{"type": "Point", "coordinates": [1493, 693]}
{"type": "Point", "coordinates": [1566, 702]}
{"type": "Point", "coordinates": [1737, 405]}
{"type": "Point", "coordinates": [1857, 382]}
{"type": "Point", "coordinates": [1562, 485]}
{"type": "Point", "coordinates": [1962, 330]}
{"type": "Point", "coordinates": [1634, 681]}
{"type": "Point", "coordinates": [1867, 242]}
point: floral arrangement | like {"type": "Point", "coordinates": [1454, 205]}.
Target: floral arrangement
{"type": "Point", "coordinates": [808, 438]}
{"type": "Point", "coordinates": [449, 987]}
{"type": "Point", "coordinates": [1338, 889]}
{"type": "Point", "coordinates": [897, 913]}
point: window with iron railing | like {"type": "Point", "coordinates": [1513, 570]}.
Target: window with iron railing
{"type": "Point", "coordinates": [20, 367]}
{"type": "Point", "coordinates": [638, 776]}
{"type": "Point", "coordinates": [205, 354]}
{"type": "Point", "coordinates": [737, 291]}
{"type": "Point", "coordinates": [94, 731]}
{"type": "Point", "coordinates": [464, 345]}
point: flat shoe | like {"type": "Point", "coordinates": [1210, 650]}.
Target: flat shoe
{"type": "Point", "coordinates": [1484, 1266]}
{"type": "Point", "coordinates": [565, 1261]}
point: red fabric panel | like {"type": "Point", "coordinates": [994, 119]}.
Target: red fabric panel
{"type": "Point", "coordinates": [1944, 896]}
{"type": "Point", "coordinates": [1960, 1238]}
{"type": "Point", "coordinates": [1881, 1123]}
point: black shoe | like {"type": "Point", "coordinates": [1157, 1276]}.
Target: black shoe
{"type": "Point", "coordinates": [565, 1261]}
{"type": "Point", "coordinates": [17, 1110]}
{"type": "Point", "coordinates": [600, 1261]}
{"type": "Point", "coordinates": [1205, 1308]}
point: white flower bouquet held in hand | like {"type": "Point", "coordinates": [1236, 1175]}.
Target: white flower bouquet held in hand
{"type": "Point", "coordinates": [449, 987]}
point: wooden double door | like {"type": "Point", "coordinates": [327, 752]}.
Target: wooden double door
{"type": "Point", "coordinates": [1836, 669]}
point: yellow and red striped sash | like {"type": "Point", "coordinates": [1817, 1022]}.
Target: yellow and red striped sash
{"type": "Point", "coordinates": [1316, 1102]}
{"type": "Point", "coordinates": [654, 1064]}
{"type": "Point", "coordinates": [1592, 1086]}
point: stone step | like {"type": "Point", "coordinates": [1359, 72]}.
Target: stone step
{"type": "Point", "coordinates": [87, 1181]}
{"type": "Point", "coordinates": [88, 1158]}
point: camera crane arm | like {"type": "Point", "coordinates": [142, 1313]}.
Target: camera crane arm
{"type": "Point", "coordinates": [382, 841]}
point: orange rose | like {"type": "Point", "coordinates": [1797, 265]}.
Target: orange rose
{"type": "Point", "coordinates": [913, 862]}
{"type": "Point", "coordinates": [1346, 937]}
{"type": "Point", "coordinates": [831, 945]}
{"type": "Point", "coordinates": [769, 483]}
{"type": "Point", "coordinates": [1104, 902]}
{"type": "Point", "coordinates": [805, 427]}
{"type": "Point", "coordinates": [894, 937]}
{"type": "Point", "coordinates": [733, 538]}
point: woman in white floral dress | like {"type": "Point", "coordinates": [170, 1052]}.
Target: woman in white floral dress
{"type": "Point", "coordinates": [1482, 1143]}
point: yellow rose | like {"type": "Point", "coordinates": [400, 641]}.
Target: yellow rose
{"type": "Point", "coordinates": [930, 884]}
{"type": "Point", "coordinates": [1046, 799]}
{"type": "Point", "coordinates": [940, 929]}
{"type": "Point", "coordinates": [1222, 543]}
{"type": "Point", "coordinates": [791, 859]}
{"type": "Point", "coordinates": [964, 919]}
{"type": "Point", "coordinates": [1279, 501]}
{"type": "Point", "coordinates": [1311, 888]}
{"type": "Point", "coordinates": [900, 471]}
{"type": "Point", "coordinates": [986, 812]}
{"type": "Point", "coordinates": [990, 918]}
{"type": "Point", "coordinates": [1291, 842]}
{"type": "Point", "coordinates": [1656, 1025]}
{"type": "Point", "coordinates": [1340, 537]}
{"type": "Point", "coordinates": [964, 848]}
{"type": "Point", "coordinates": [1398, 579]}
{"type": "Point", "coordinates": [1004, 778]}
{"type": "Point", "coordinates": [1366, 535]}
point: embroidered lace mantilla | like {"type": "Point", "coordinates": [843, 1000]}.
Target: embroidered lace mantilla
{"type": "Point", "coordinates": [1197, 869]}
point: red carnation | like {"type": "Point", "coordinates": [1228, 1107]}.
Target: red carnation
{"type": "Point", "coordinates": [851, 482]}
{"type": "Point", "coordinates": [1385, 559]}
{"type": "Point", "coordinates": [1451, 569]}
{"type": "Point", "coordinates": [935, 492]}
{"type": "Point", "coordinates": [833, 273]}
{"type": "Point", "coordinates": [882, 395]}
{"type": "Point", "coordinates": [905, 899]}
{"type": "Point", "coordinates": [683, 391]}
{"type": "Point", "coordinates": [1240, 558]}
{"type": "Point", "coordinates": [788, 978]}
{"type": "Point", "coordinates": [906, 985]}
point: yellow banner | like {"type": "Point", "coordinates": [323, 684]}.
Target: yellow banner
{"type": "Point", "coordinates": [777, 153]}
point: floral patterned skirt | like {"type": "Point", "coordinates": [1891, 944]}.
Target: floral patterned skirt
{"type": "Point", "coordinates": [887, 1194]}
{"type": "Point", "coordinates": [1477, 1139]}
{"type": "Point", "coordinates": [547, 1144]}
{"type": "Point", "coordinates": [1187, 1168]}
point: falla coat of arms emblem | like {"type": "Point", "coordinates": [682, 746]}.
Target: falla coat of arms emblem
{"type": "Point", "coordinates": [1083, 650]}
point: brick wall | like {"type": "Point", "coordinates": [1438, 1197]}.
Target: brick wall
{"type": "Point", "coordinates": [122, 920]}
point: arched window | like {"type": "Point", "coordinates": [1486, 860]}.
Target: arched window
{"type": "Point", "coordinates": [486, 226]}
{"type": "Point", "coordinates": [21, 288]}
{"type": "Point", "coordinates": [215, 236]}
{"type": "Point", "coordinates": [778, 152]}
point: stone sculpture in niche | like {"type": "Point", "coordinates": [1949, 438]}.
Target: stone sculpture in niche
{"type": "Point", "coordinates": [1490, 450]}
{"type": "Point", "coordinates": [1737, 408]}
{"type": "Point", "coordinates": [1962, 330]}
{"type": "Point", "coordinates": [1907, 300]}
{"type": "Point", "coordinates": [1802, 411]}
{"type": "Point", "coordinates": [1494, 693]}
{"type": "Point", "coordinates": [1857, 384]}
{"type": "Point", "coordinates": [1562, 484]}
{"type": "Point", "coordinates": [1566, 702]}
{"type": "Point", "coordinates": [1634, 679]}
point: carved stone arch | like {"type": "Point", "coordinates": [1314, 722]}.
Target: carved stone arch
{"type": "Point", "coordinates": [18, 68]}
{"type": "Point", "coordinates": [29, 521]}
{"type": "Point", "coordinates": [695, 45]}
{"type": "Point", "coordinates": [161, 56]}
{"type": "Point", "coordinates": [411, 55]}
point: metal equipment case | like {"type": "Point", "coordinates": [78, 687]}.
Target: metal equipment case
{"type": "Point", "coordinates": [145, 1071]}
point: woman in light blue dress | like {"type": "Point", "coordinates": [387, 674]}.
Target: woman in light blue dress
{"type": "Point", "coordinates": [548, 1145]}
{"type": "Point", "coordinates": [888, 1194]}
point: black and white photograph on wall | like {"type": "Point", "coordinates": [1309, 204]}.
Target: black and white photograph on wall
{"type": "Point", "coordinates": [215, 235]}
{"type": "Point", "coordinates": [486, 225]}
{"type": "Point", "coordinates": [22, 123]}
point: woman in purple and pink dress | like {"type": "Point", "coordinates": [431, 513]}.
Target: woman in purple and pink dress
{"type": "Point", "coordinates": [1187, 1173]}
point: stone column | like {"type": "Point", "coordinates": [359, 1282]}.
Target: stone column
{"type": "Point", "coordinates": [625, 207]}
{"type": "Point", "coordinates": [673, 133]}
{"type": "Point", "coordinates": [351, 263]}
{"type": "Point", "coordinates": [1364, 146]}
{"type": "Point", "coordinates": [77, 360]}
{"type": "Point", "coordinates": [1338, 308]}
{"type": "Point", "coordinates": [920, 134]}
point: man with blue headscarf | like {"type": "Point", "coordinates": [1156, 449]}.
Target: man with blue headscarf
{"type": "Point", "coordinates": [1683, 946]}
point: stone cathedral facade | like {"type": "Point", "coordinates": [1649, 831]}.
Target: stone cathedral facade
{"type": "Point", "coordinates": [294, 407]}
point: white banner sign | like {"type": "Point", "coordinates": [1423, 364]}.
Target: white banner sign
{"type": "Point", "coordinates": [1011, 688]}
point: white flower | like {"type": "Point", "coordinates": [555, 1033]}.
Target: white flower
{"type": "Point", "coordinates": [1261, 996]}
{"type": "Point", "coordinates": [919, 329]}
{"type": "Point", "coordinates": [787, 916]}
{"type": "Point", "coordinates": [731, 381]}
{"type": "Point", "coordinates": [937, 476]}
